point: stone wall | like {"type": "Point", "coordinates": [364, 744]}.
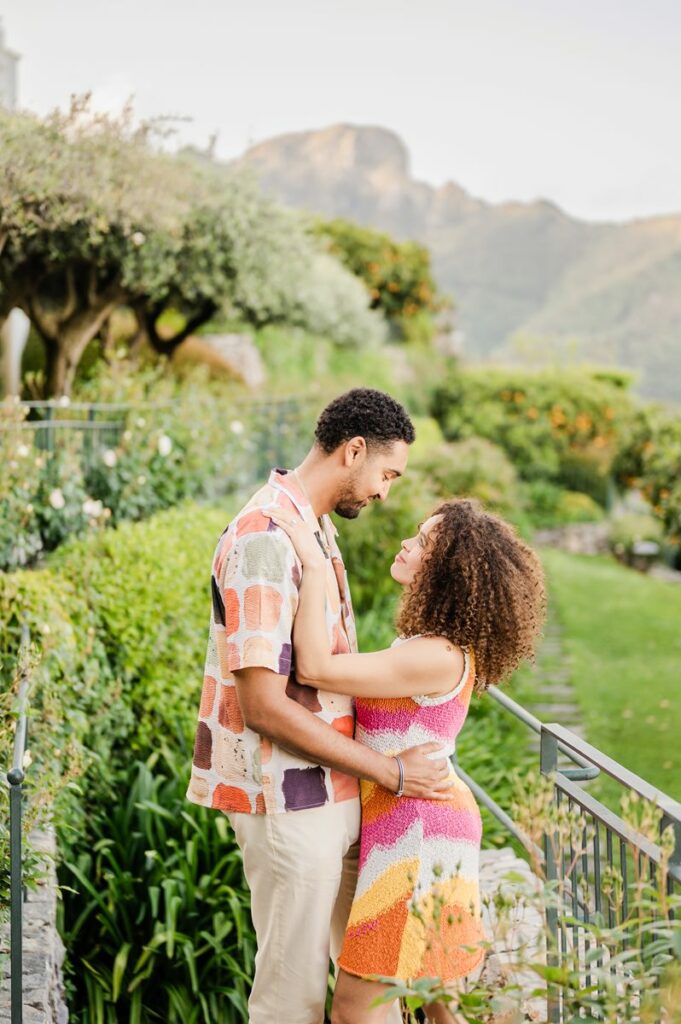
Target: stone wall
{"type": "Point", "coordinates": [43, 987]}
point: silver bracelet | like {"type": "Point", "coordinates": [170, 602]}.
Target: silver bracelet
{"type": "Point", "coordinates": [400, 789]}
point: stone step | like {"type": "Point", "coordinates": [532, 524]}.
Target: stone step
{"type": "Point", "coordinates": [557, 691]}
{"type": "Point", "coordinates": [555, 711]}
{"type": "Point", "coordinates": [558, 675]}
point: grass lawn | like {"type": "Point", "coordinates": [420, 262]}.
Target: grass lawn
{"type": "Point", "coordinates": [622, 634]}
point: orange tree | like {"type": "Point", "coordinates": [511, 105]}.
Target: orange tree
{"type": "Point", "coordinates": [397, 274]}
{"type": "Point", "coordinates": [558, 426]}
{"type": "Point", "coordinates": [649, 459]}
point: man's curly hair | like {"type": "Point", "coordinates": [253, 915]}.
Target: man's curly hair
{"type": "Point", "coordinates": [363, 412]}
{"type": "Point", "coordinates": [480, 586]}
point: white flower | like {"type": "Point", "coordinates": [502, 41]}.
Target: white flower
{"type": "Point", "coordinates": [27, 759]}
{"type": "Point", "coordinates": [127, 435]}
{"type": "Point", "coordinates": [237, 427]}
{"type": "Point", "coordinates": [141, 479]}
{"type": "Point", "coordinates": [138, 238]}
{"type": "Point", "coordinates": [141, 422]}
{"type": "Point", "coordinates": [39, 462]}
{"type": "Point", "coordinates": [92, 508]}
{"type": "Point", "coordinates": [165, 445]}
{"type": "Point", "coordinates": [29, 508]}
{"type": "Point", "coordinates": [109, 458]}
{"type": "Point", "coordinates": [121, 352]}
{"type": "Point", "coordinates": [46, 628]}
{"type": "Point", "coordinates": [64, 401]}
{"type": "Point", "coordinates": [23, 450]}
{"type": "Point", "coordinates": [57, 499]}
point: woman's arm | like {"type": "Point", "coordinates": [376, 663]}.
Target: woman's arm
{"type": "Point", "coordinates": [423, 665]}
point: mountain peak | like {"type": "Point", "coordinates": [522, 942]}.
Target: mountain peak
{"type": "Point", "coordinates": [339, 150]}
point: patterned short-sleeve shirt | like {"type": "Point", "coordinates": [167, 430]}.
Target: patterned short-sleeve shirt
{"type": "Point", "coordinates": [255, 579]}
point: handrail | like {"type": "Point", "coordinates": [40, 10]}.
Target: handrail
{"type": "Point", "coordinates": [671, 807]}
{"type": "Point", "coordinates": [58, 403]}
{"type": "Point", "coordinates": [584, 772]}
{"type": "Point", "coordinates": [69, 424]}
{"type": "Point", "coordinates": [15, 778]}
{"type": "Point", "coordinates": [586, 769]}
{"type": "Point", "coordinates": [499, 813]}
{"type": "Point", "coordinates": [591, 762]}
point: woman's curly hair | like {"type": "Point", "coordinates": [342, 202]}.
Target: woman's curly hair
{"type": "Point", "coordinates": [480, 586]}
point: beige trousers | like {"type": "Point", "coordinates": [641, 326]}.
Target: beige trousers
{"type": "Point", "coordinates": [301, 868]}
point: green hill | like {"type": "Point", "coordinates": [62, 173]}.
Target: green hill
{"type": "Point", "coordinates": [529, 281]}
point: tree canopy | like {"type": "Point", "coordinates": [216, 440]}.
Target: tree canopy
{"type": "Point", "coordinates": [92, 216]}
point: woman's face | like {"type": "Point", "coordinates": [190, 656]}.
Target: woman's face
{"type": "Point", "coordinates": [407, 562]}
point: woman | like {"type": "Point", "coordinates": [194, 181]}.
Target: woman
{"type": "Point", "coordinates": [471, 610]}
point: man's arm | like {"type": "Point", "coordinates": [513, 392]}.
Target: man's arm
{"type": "Point", "coordinates": [269, 711]}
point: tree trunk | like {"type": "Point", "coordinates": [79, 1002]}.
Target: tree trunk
{"type": "Point", "coordinates": [64, 352]}
{"type": "Point", "coordinates": [55, 370]}
{"type": "Point", "coordinates": [147, 318]}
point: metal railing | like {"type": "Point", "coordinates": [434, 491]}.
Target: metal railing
{"type": "Point", "coordinates": [15, 779]}
{"type": "Point", "coordinates": [101, 425]}
{"type": "Point", "coordinates": [608, 842]}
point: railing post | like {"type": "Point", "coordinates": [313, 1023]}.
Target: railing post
{"type": "Point", "coordinates": [49, 430]}
{"type": "Point", "coordinates": [89, 439]}
{"type": "Point", "coordinates": [675, 859]}
{"type": "Point", "coordinates": [15, 777]}
{"type": "Point", "coordinates": [548, 755]}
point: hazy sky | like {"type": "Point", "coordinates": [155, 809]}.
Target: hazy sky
{"type": "Point", "coordinates": [578, 101]}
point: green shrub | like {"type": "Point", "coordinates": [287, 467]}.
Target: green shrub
{"type": "Point", "coordinates": [575, 507]}
{"type": "Point", "coordinates": [626, 531]}
{"type": "Point", "coordinates": [548, 505]}
{"type": "Point", "coordinates": [557, 426]}
{"type": "Point", "coordinates": [119, 620]}
{"type": "Point", "coordinates": [428, 437]}
{"type": "Point", "coordinates": [196, 440]}
{"type": "Point", "coordinates": [472, 468]}
{"type": "Point", "coordinates": [649, 460]}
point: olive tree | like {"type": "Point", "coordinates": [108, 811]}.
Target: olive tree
{"type": "Point", "coordinates": [92, 217]}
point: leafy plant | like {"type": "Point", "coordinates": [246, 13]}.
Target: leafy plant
{"type": "Point", "coordinates": [557, 426]}
{"type": "Point", "coordinates": [547, 505]}
{"type": "Point", "coordinates": [155, 909]}
{"type": "Point", "coordinates": [649, 460]}
{"type": "Point", "coordinates": [472, 468]}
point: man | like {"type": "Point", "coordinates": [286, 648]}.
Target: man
{"type": "Point", "coordinates": [276, 756]}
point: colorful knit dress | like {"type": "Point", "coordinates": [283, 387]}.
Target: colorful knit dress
{"type": "Point", "coordinates": [417, 905]}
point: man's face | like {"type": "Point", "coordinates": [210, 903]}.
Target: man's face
{"type": "Point", "coordinates": [370, 476]}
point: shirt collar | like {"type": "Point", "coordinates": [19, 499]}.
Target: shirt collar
{"type": "Point", "coordinates": [285, 481]}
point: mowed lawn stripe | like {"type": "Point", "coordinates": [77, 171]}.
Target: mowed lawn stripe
{"type": "Point", "coordinates": [622, 636]}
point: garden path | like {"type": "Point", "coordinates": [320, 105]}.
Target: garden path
{"type": "Point", "coordinates": [553, 696]}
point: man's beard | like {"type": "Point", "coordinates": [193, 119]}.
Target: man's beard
{"type": "Point", "coordinates": [346, 511]}
{"type": "Point", "coordinates": [349, 505]}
